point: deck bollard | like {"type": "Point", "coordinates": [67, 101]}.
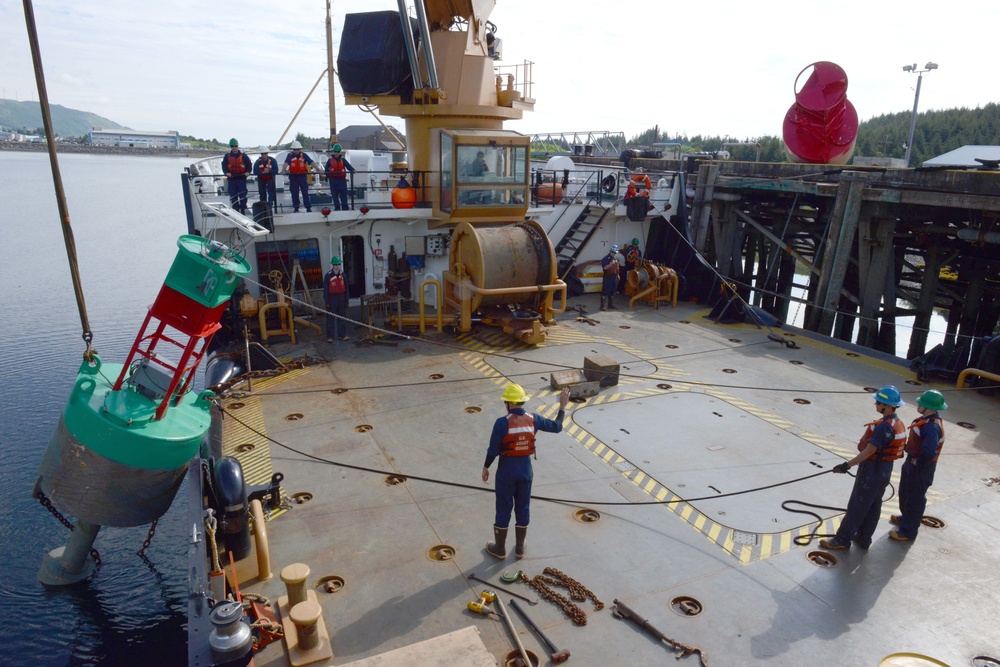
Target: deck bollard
{"type": "Point", "coordinates": [295, 576]}
{"type": "Point", "coordinates": [305, 616]}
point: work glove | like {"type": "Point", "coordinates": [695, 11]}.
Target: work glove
{"type": "Point", "coordinates": [841, 467]}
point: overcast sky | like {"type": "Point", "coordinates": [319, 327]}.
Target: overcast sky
{"type": "Point", "coordinates": [221, 69]}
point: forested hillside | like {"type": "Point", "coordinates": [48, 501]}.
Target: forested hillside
{"type": "Point", "coordinates": [27, 117]}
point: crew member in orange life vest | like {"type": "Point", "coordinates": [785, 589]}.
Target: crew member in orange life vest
{"type": "Point", "coordinates": [881, 444]}
{"type": "Point", "coordinates": [336, 172]}
{"type": "Point", "coordinates": [297, 166]}
{"type": "Point", "coordinates": [336, 297]}
{"type": "Point", "coordinates": [236, 165]}
{"type": "Point", "coordinates": [922, 449]}
{"type": "Point", "coordinates": [513, 440]}
{"type": "Point", "coordinates": [265, 168]}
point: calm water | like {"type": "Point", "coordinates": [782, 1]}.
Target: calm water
{"type": "Point", "coordinates": [126, 214]}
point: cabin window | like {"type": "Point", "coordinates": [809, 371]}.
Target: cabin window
{"type": "Point", "coordinates": [491, 175]}
{"type": "Point", "coordinates": [446, 172]}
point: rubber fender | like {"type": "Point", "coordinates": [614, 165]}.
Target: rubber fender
{"type": "Point", "coordinates": [234, 518]}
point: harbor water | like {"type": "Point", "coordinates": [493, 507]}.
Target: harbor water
{"type": "Point", "coordinates": [126, 214]}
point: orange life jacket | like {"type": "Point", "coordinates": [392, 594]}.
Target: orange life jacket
{"type": "Point", "coordinates": [520, 438]}
{"type": "Point", "coordinates": [335, 168]}
{"type": "Point", "coordinates": [914, 443]}
{"type": "Point", "coordinates": [892, 451]}
{"type": "Point", "coordinates": [235, 164]}
{"type": "Point", "coordinates": [265, 169]}
{"type": "Point", "coordinates": [336, 285]}
{"type": "Point", "coordinates": [298, 164]}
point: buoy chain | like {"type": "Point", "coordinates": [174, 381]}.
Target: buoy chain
{"type": "Point", "coordinates": [141, 553]}
{"type": "Point", "coordinates": [577, 591]}
{"type": "Point", "coordinates": [47, 504]}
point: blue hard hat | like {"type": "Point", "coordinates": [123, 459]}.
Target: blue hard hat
{"type": "Point", "coordinates": [614, 248]}
{"type": "Point", "coordinates": [889, 395]}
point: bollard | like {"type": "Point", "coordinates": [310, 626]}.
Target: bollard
{"type": "Point", "coordinates": [295, 576]}
{"type": "Point", "coordinates": [305, 616]}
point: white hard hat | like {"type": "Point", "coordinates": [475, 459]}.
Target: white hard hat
{"type": "Point", "coordinates": [295, 145]}
{"type": "Point", "coordinates": [263, 149]}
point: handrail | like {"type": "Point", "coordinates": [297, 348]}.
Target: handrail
{"type": "Point", "coordinates": [986, 375]}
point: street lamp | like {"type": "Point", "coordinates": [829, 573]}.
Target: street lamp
{"type": "Point", "coordinates": [912, 69]}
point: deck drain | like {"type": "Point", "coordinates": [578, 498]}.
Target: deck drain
{"type": "Point", "coordinates": [966, 424]}
{"type": "Point", "coordinates": [684, 322]}
{"type": "Point", "coordinates": [735, 340]}
{"type": "Point", "coordinates": [407, 350]}
{"type": "Point", "coordinates": [664, 385]}
{"type": "Point", "coordinates": [795, 362]}
{"type": "Point", "coordinates": [244, 448]}
{"type": "Point", "coordinates": [435, 376]}
{"type": "Point", "coordinates": [587, 516]}
{"type": "Point", "coordinates": [913, 382]}
{"type": "Point", "coordinates": [330, 584]}
{"type": "Point", "coordinates": [670, 347]}
{"type": "Point", "coordinates": [853, 354]}
{"type": "Point", "coordinates": [985, 661]}
{"type": "Point", "coordinates": [821, 558]}
{"type": "Point", "coordinates": [932, 522]}
{"type": "Point", "coordinates": [393, 480]}
{"type": "Point", "coordinates": [624, 466]}
{"type": "Point", "coordinates": [513, 659]}
{"type": "Point", "coordinates": [686, 606]}
{"type": "Point", "coordinates": [870, 390]}
{"type": "Point", "coordinates": [236, 406]}
{"type": "Point", "coordinates": [473, 409]}
{"type": "Point", "coordinates": [363, 428]}
{"type": "Point", "coordinates": [338, 390]}
{"type": "Point", "coordinates": [302, 497]}
{"type": "Point", "coordinates": [294, 417]}
{"type": "Point", "coordinates": [803, 401]}
{"type": "Point", "coordinates": [577, 399]}
{"type": "Point", "coordinates": [729, 370]}
{"type": "Point", "coordinates": [441, 552]}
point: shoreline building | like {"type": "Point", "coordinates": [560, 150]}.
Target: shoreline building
{"type": "Point", "coordinates": [134, 139]}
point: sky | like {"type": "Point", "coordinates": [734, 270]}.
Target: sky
{"type": "Point", "coordinates": [222, 69]}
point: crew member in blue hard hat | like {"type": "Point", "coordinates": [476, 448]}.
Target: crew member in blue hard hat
{"type": "Point", "coordinates": [881, 444]}
{"type": "Point", "coordinates": [297, 166]}
{"type": "Point", "coordinates": [236, 166]}
{"type": "Point", "coordinates": [336, 172]}
{"type": "Point", "coordinates": [923, 446]}
{"type": "Point", "coordinates": [513, 441]}
{"type": "Point", "coordinates": [609, 283]}
{"type": "Point", "coordinates": [336, 296]}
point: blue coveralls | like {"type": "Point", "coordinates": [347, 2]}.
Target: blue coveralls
{"type": "Point", "coordinates": [337, 304]}
{"type": "Point", "coordinates": [299, 183]}
{"type": "Point", "coordinates": [610, 281]}
{"type": "Point", "coordinates": [338, 182]}
{"type": "Point", "coordinates": [917, 477]}
{"type": "Point", "coordinates": [237, 182]}
{"type": "Point", "coordinates": [265, 170]}
{"type": "Point", "coordinates": [865, 505]}
{"type": "Point", "coordinates": [514, 473]}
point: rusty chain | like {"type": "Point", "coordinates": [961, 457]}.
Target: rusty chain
{"type": "Point", "coordinates": [253, 375]}
{"type": "Point", "coordinates": [47, 504]}
{"type": "Point", "coordinates": [577, 591]}
{"type": "Point", "coordinates": [141, 553]}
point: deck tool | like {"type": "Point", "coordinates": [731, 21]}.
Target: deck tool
{"type": "Point", "coordinates": [513, 631]}
{"type": "Point", "coordinates": [482, 605]}
{"type": "Point", "coordinates": [621, 611]}
{"type": "Point", "coordinates": [504, 590]}
{"type": "Point", "coordinates": [555, 654]}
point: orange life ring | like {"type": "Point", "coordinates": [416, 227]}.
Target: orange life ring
{"type": "Point", "coordinates": [644, 179]}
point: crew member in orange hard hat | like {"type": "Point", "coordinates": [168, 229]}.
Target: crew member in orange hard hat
{"type": "Point", "coordinates": [513, 441]}
{"type": "Point", "coordinates": [881, 444]}
{"type": "Point", "coordinates": [922, 449]}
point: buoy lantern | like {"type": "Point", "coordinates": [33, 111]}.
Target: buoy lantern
{"type": "Point", "coordinates": [122, 447]}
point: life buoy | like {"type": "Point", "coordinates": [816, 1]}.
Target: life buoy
{"type": "Point", "coordinates": [644, 179]}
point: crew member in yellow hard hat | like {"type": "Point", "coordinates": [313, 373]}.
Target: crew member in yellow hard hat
{"type": "Point", "coordinates": [922, 449]}
{"type": "Point", "coordinates": [336, 172]}
{"type": "Point", "coordinates": [513, 441]}
{"type": "Point", "coordinates": [879, 447]}
{"type": "Point", "coordinates": [336, 296]}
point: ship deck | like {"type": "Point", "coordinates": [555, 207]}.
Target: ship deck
{"type": "Point", "coordinates": [701, 410]}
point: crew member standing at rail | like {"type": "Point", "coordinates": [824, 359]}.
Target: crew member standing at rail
{"type": "Point", "coordinates": [297, 166]}
{"type": "Point", "coordinates": [336, 172]}
{"type": "Point", "coordinates": [513, 441]}
{"type": "Point", "coordinates": [922, 449]}
{"type": "Point", "coordinates": [881, 444]}
{"type": "Point", "coordinates": [336, 296]}
{"type": "Point", "coordinates": [265, 168]}
{"type": "Point", "coordinates": [236, 166]}
{"type": "Point", "coordinates": [610, 281]}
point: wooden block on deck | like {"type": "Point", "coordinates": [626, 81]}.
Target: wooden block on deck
{"type": "Point", "coordinates": [560, 379]}
{"type": "Point", "coordinates": [584, 389]}
{"type": "Point", "coordinates": [601, 368]}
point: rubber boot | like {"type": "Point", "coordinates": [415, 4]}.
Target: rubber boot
{"type": "Point", "coordinates": [611, 303]}
{"type": "Point", "coordinates": [498, 549]}
{"type": "Point", "coordinates": [519, 534]}
{"type": "Point", "coordinates": [602, 303]}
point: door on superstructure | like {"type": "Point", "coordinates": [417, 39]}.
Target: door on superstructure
{"type": "Point", "coordinates": [354, 264]}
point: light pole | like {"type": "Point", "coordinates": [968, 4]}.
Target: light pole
{"type": "Point", "coordinates": [916, 99]}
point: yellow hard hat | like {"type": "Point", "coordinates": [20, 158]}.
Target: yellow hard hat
{"type": "Point", "coordinates": [514, 394]}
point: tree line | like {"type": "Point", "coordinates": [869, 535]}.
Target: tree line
{"type": "Point", "coordinates": [936, 132]}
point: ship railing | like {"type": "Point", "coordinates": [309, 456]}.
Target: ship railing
{"type": "Point", "coordinates": [589, 143]}
{"type": "Point", "coordinates": [516, 78]}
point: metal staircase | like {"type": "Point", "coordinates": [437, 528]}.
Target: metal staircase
{"type": "Point", "coordinates": [570, 246]}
